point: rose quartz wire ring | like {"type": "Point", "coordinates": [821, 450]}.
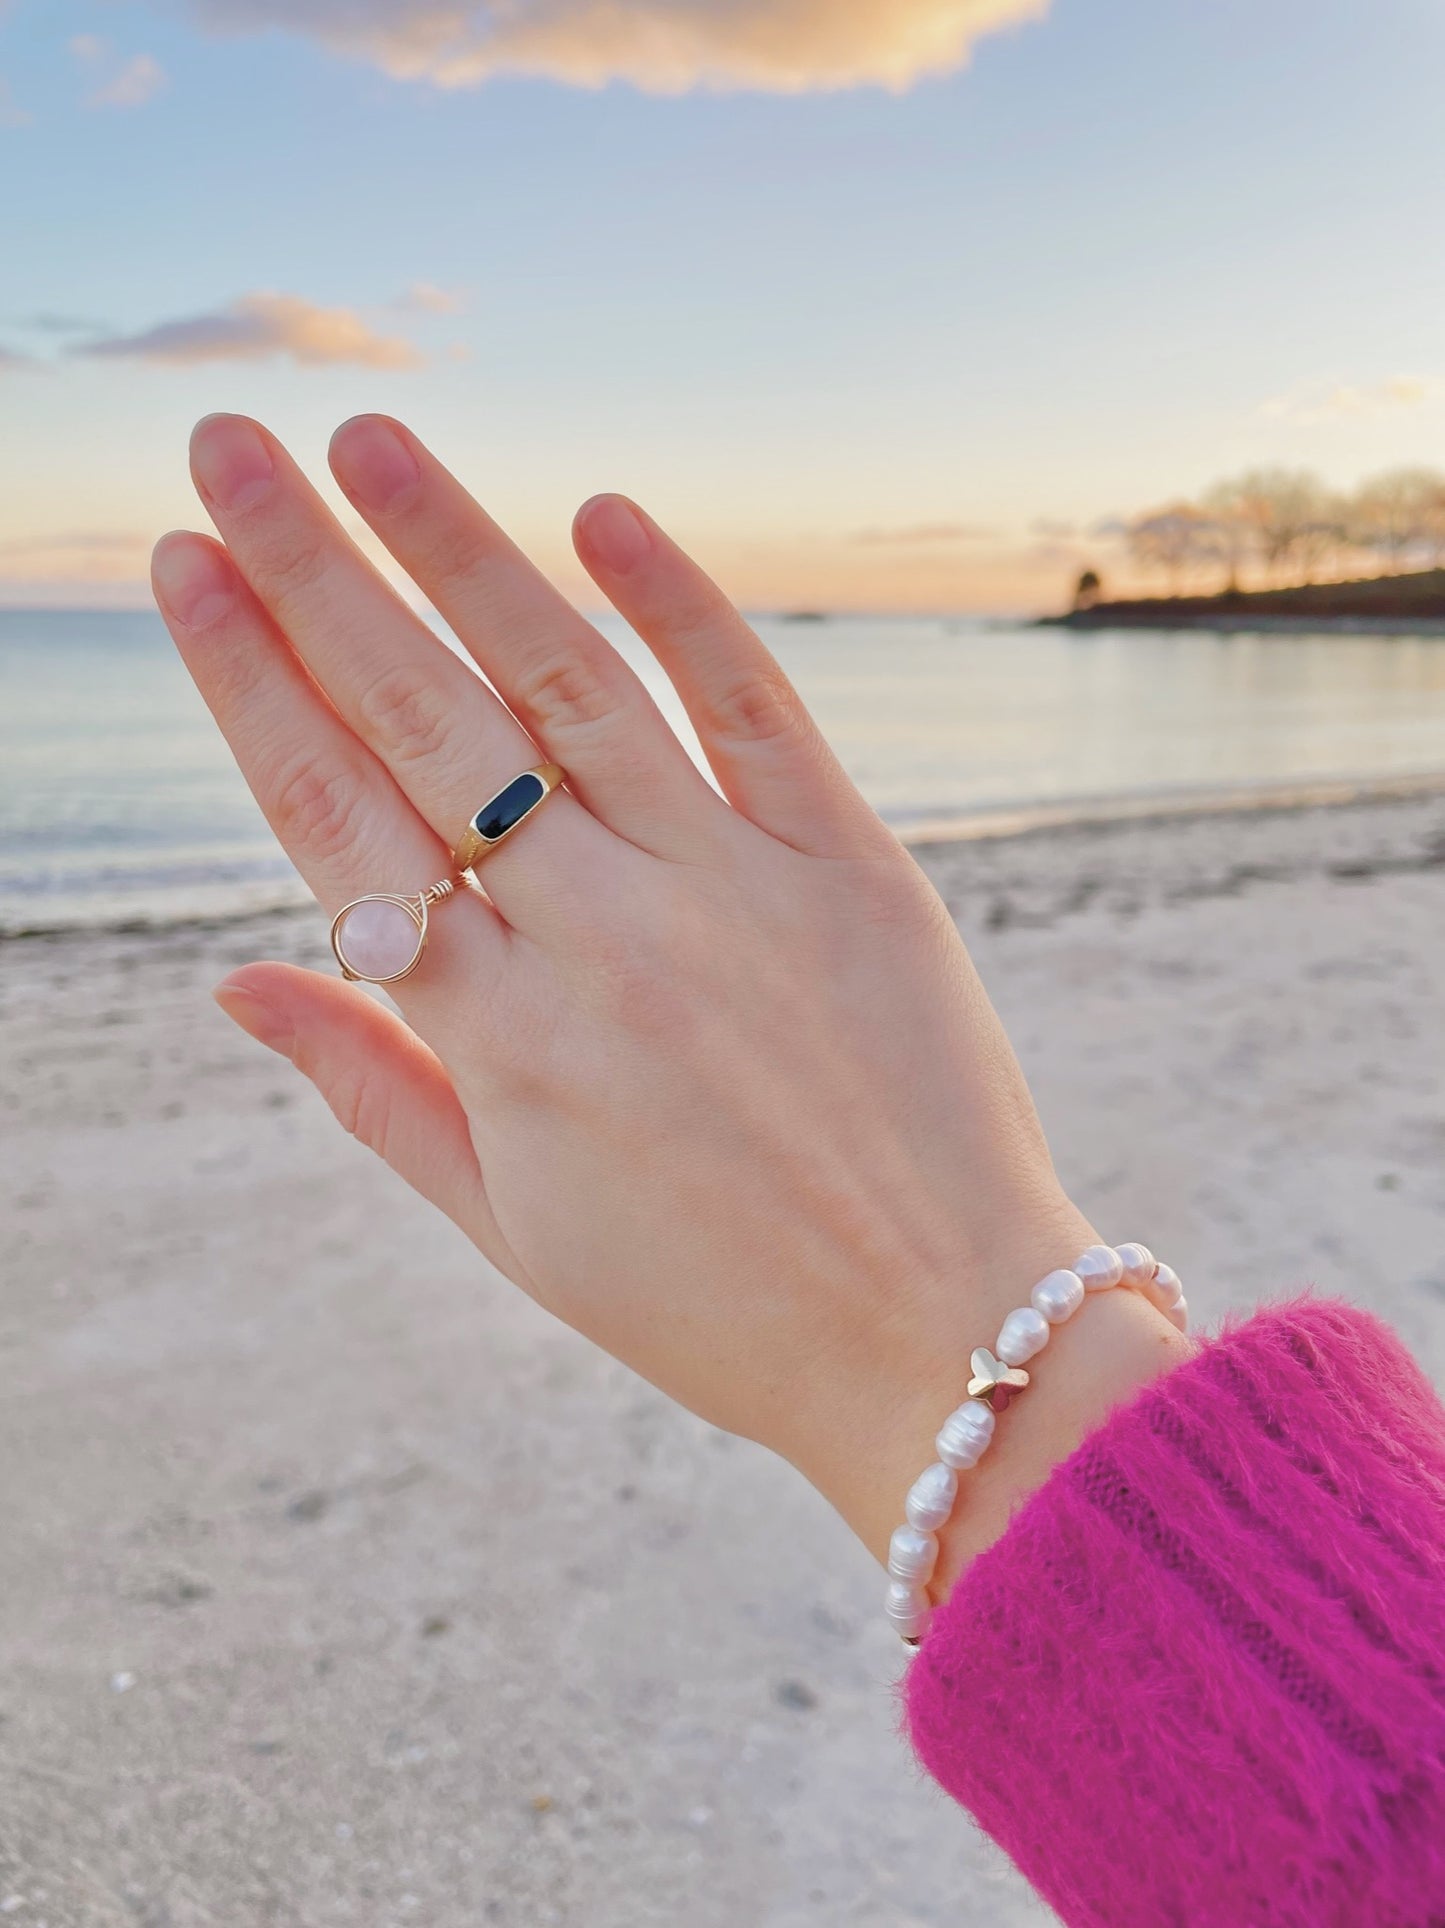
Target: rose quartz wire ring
{"type": "Point", "coordinates": [379, 938]}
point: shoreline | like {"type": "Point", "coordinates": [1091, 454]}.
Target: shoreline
{"type": "Point", "coordinates": [998, 824]}
{"type": "Point", "coordinates": [1168, 806]}
{"type": "Point", "coordinates": [1261, 625]}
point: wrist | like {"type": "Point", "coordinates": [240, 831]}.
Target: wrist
{"type": "Point", "coordinates": [884, 1422]}
{"type": "Point", "coordinates": [1115, 1345]}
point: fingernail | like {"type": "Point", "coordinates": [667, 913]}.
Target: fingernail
{"type": "Point", "coordinates": [614, 533]}
{"type": "Point", "coordinates": [231, 461]}
{"type": "Point", "coordinates": [256, 1018]}
{"type": "Point", "coordinates": [193, 580]}
{"type": "Point", "coordinates": [373, 464]}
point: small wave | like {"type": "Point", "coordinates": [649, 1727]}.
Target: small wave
{"type": "Point", "coordinates": [1143, 806]}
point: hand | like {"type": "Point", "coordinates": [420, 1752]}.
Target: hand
{"type": "Point", "coordinates": [712, 1080]}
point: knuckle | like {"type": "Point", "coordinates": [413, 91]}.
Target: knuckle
{"type": "Point", "coordinates": [646, 1005]}
{"type": "Point", "coordinates": [896, 899]}
{"type": "Point", "coordinates": [455, 556]}
{"type": "Point", "coordinates": [566, 692]}
{"type": "Point", "coordinates": [316, 811]}
{"type": "Point", "coordinates": [361, 1105]}
{"type": "Point", "coordinates": [647, 984]}
{"type": "Point", "coordinates": [240, 667]}
{"type": "Point", "coordinates": [756, 708]}
{"type": "Point", "coordinates": [293, 569]}
{"type": "Point", "coordinates": [407, 718]}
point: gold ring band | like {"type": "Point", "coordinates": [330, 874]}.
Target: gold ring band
{"type": "Point", "coordinates": [500, 815]}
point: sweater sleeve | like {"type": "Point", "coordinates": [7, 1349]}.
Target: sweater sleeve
{"type": "Point", "coordinates": [1200, 1681]}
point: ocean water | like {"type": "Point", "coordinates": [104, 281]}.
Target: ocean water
{"type": "Point", "coordinates": [119, 801]}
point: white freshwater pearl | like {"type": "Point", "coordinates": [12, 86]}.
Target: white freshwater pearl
{"type": "Point", "coordinates": [1178, 1313]}
{"type": "Point", "coordinates": [1023, 1333]}
{"type": "Point", "coordinates": [931, 1496]}
{"type": "Point", "coordinates": [912, 1555]}
{"type": "Point", "coordinates": [1138, 1264]}
{"type": "Point", "coordinates": [907, 1608]}
{"type": "Point", "coordinates": [1058, 1297]}
{"type": "Point", "coordinates": [1164, 1289]}
{"type": "Point", "coordinates": [1099, 1268]}
{"type": "Point", "coordinates": [965, 1434]}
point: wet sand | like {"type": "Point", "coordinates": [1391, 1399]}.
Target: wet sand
{"type": "Point", "coordinates": [343, 1586]}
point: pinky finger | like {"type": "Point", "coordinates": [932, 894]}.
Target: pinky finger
{"type": "Point", "coordinates": [383, 1084]}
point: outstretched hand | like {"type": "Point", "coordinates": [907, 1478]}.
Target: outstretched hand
{"type": "Point", "coordinates": [710, 1076]}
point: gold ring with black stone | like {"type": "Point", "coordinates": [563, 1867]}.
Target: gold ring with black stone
{"type": "Point", "coordinates": [500, 815]}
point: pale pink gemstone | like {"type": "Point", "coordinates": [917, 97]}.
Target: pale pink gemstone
{"type": "Point", "coordinates": [378, 940]}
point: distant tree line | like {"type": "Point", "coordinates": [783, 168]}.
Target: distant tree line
{"type": "Point", "coordinates": [1283, 527]}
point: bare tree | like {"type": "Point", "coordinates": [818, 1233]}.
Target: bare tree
{"type": "Point", "coordinates": [1171, 539]}
{"type": "Point", "coordinates": [1321, 540]}
{"type": "Point", "coordinates": [1399, 517]}
{"type": "Point", "coordinates": [1233, 533]}
{"type": "Point", "coordinates": [1286, 526]}
{"type": "Point", "coordinates": [1280, 508]}
{"type": "Point", "coordinates": [1433, 521]}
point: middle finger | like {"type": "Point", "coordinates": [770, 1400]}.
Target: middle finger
{"type": "Point", "coordinates": [446, 738]}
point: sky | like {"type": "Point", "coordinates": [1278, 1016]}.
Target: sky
{"type": "Point", "coordinates": [876, 304]}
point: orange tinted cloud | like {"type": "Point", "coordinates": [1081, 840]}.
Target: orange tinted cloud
{"type": "Point", "coordinates": [256, 328]}
{"type": "Point", "coordinates": [663, 46]}
{"type": "Point", "coordinates": [74, 565]}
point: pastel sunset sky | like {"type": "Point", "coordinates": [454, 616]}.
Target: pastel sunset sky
{"type": "Point", "coordinates": [891, 304]}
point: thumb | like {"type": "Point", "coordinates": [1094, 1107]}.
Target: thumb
{"type": "Point", "coordinates": [385, 1086]}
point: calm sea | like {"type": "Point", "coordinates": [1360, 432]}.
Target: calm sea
{"type": "Point", "coordinates": [119, 801]}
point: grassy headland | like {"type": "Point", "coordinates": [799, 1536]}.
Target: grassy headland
{"type": "Point", "coordinates": [1415, 601]}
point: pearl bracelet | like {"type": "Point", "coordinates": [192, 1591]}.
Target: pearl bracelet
{"type": "Point", "coordinates": [997, 1377]}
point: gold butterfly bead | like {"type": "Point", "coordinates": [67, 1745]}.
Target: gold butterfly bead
{"type": "Point", "coordinates": [993, 1382]}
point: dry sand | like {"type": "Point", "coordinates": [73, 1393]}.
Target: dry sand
{"type": "Point", "coordinates": [342, 1586]}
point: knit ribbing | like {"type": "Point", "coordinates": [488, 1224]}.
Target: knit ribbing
{"type": "Point", "coordinates": [1201, 1678]}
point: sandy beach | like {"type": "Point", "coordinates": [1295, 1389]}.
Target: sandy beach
{"type": "Point", "coordinates": [344, 1587]}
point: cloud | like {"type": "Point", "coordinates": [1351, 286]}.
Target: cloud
{"type": "Point", "coordinates": [139, 80]}
{"type": "Point", "coordinates": [257, 327]}
{"type": "Point", "coordinates": [109, 544]}
{"type": "Point", "coordinates": [1310, 406]}
{"type": "Point", "coordinates": [49, 323]}
{"type": "Point", "coordinates": [120, 83]}
{"type": "Point", "coordinates": [431, 300]}
{"type": "Point", "coordinates": [662, 46]}
{"type": "Point", "coordinates": [97, 567]}
{"type": "Point", "coordinates": [922, 533]}
{"type": "Point", "coordinates": [9, 359]}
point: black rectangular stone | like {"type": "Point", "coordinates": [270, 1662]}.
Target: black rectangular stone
{"type": "Point", "coordinates": [507, 808]}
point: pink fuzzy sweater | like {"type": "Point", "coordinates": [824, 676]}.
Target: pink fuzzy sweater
{"type": "Point", "coordinates": [1200, 1682]}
